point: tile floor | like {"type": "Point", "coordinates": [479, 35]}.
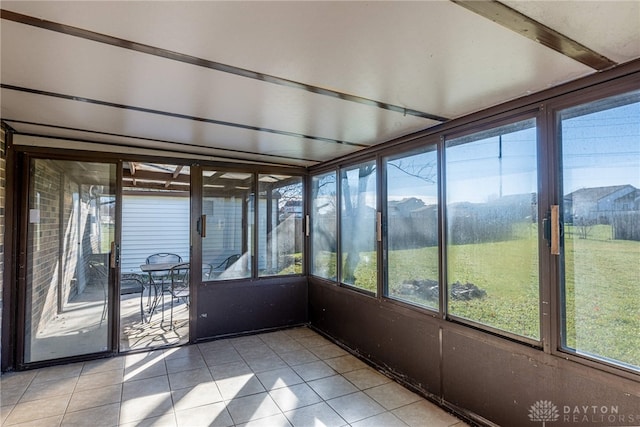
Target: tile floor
{"type": "Point", "coordinates": [292, 377]}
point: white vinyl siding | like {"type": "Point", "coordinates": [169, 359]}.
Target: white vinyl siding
{"type": "Point", "coordinates": [153, 224]}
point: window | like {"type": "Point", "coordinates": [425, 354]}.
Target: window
{"type": "Point", "coordinates": [324, 225]}
{"type": "Point", "coordinates": [358, 216]}
{"type": "Point", "coordinates": [280, 215]}
{"type": "Point", "coordinates": [600, 145]}
{"type": "Point", "coordinates": [227, 203]}
{"type": "Point", "coordinates": [492, 229]}
{"type": "Point", "coordinates": [412, 228]}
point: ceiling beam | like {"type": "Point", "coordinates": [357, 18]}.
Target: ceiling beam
{"type": "Point", "coordinates": [536, 31]}
{"type": "Point", "coordinates": [225, 68]}
{"type": "Point", "coordinates": [174, 115]}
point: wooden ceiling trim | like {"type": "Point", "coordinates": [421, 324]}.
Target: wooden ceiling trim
{"type": "Point", "coordinates": [225, 68]}
{"type": "Point", "coordinates": [538, 32]}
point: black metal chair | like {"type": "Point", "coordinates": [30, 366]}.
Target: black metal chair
{"type": "Point", "coordinates": [179, 287]}
{"type": "Point", "coordinates": [135, 281]}
{"type": "Point", "coordinates": [160, 281]}
{"type": "Point", "coordinates": [224, 265]}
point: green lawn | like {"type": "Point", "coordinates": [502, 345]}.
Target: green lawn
{"type": "Point", "coordinates": [603, 311]}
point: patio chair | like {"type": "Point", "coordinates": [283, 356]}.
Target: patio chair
{"type": "Point", "coordinates": [135, 281]}
{"type": "Point", "coordinates": [160, 280]}
{"type": "Point", "coordinates": [179, 287]}
{"type": "Point", "coordinates": [224, 265]}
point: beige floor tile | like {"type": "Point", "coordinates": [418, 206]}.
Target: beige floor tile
{"type": "Point", "coordinates": [147, 368]}
{"type": "Point", "coordinates": [239, 386]}
{"type": "Point", "coordinates": [147, 406]}
{"type": "Point", "coordinates": [278, 420]}
{"type": "Point", "coordinates": [333, 386]}
{"type": "Point", "coordinates": [314, 370]}
{"type": "Point", "coordinates": [213, 415]}
{"type": "Point", "coordinates": [184, 379]}
{"type": "Point", "coordinates": [346, 363]}
{"type": "Point", "coordinates": [319, 414]}
{"type": "Point", "coordinates": [42, 422]}
{"type": "Point", "coordinates": [17, 379]}
{"type": "Point", "coordinates": [58, 372]}
{"type": "Point", "coordinates": [103, 365]}
{"type": "Point", "coordinates": [100, 416]}
{"type": "Point", "coordinates": [146, 387]}
{"type": "Point", "coordinates": [328, 351]}
{"type": "Point", "coordinates": [162, 421]}
{"type": "Point", "coordinates": [386, 419]}
{"type": "Point", "coordinates": [11, 395]}
{"type": "Point", "coordinates": [38, 409]}
{"type": "Point", "coordinates": [230, 370]}
{"type": "Point", "coordinates": [221, 356]}
{"type": "Point", "coordinates": [313, 341]}
{"type": "Point", "coordinates": [278, 378]}
{"type": "Point", "coordinates": [366, 378]}
{"type": "Point", "coordinates": [251, 408]}
{"type": "Point", "coordinates": [300, 332]}
{"type": "Point", "coordinates": [100, 379]}
{"type": "Point", "coordinates": [199, 395]}
{"type": "Point", "coordinates": [191, 351]}
{"type": "Point", "coordinates": [392, 395]}
{"type": "Point", "coordinates": [286, 346]}
{"type": "Point", "coordinates": [355, 407]}
{"type": "Point", "coordinates": [289, 398]}
{"type": "Point", "coordinates": [299, 357]}
{"type": "Point", "coordinates": [48, 389]}
{"type": "Point", "coordinates": [5, 410]}
{"type": "Point", "coordinates": [265, 363]}
{"type": "Point", "coordinates": [86, 399]}
{"type": "Point", "coordinates": [191, 361]}
{"type": "Point", "coordinates": [423, 413]}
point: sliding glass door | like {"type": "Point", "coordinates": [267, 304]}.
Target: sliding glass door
{"type": "Point", "coordinates": [70, 232]}
{"type": "Point", "coordinates": [600, 208]}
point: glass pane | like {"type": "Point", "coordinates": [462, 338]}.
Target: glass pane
{"type": "Point", "coordinates": [358, 226]}
{"type": "Point", "coordinates": [601, 209]}
{"type": "Point", "coordinates": [280, 238]}
{"type": "Point", "coordinates": [71, 226]}
{"type": "Point", "coordinates": [155, 237]}
{"type": "Point", "coordinates": [412, 228]}
{"type": "Point", "coordinates": [324, 226]}
{"type": "Point", "coordinates": [228, 204]}
{"type": "Point", "coordinates": [492, 231]}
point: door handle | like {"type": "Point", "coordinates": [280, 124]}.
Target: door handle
{"type": "Point", "coordinates": [201, 226]}
{"type": "Point", "coordinates": [555, 230]}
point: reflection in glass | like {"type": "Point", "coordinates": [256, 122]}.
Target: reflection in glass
{"type": "Point", "coordinates": [492, 234]}
{"type": "Point", "coordinates": [280, 219]}
{"type": "Point", "coordinates": [412, 228]}
{"type": "Point", "coordinates": [358, 226]}
{"type": "Point", "coordinates": [324, 225]}
{"type": "Point", "coordinates": [70, 228]}
{"type": "Point", "coordinates": [601, 213]}
{"type": "Point", "coordinates": [227, 202]}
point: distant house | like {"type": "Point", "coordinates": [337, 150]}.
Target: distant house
{"type": "Point", "coordinates": [598, 204]}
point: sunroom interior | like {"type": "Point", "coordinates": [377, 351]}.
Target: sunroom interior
{"type": "Point", "coordinates": [447, 190]}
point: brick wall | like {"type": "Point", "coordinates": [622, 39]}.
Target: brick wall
{"type": "Point", "coordinates": [43, 241]}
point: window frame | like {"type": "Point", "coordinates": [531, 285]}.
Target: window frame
{"type": "Point", "coordinates": [425, 146]}
{"type": "Point", "coordinates": [477, 128]}
{"type": "Point", "coordinates": [554, 108]}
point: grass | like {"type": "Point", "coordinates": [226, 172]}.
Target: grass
{"type": "Point", "coordinates": [602, 282]}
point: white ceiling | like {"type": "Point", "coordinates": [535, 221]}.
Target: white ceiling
{"type": "Point", "coordinates": [147, 74]}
